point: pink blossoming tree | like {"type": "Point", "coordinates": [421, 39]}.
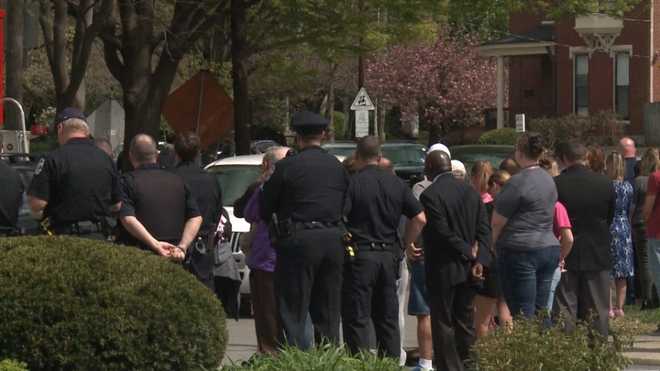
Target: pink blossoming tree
{"type": "Point", "coordinates": [446, 83]}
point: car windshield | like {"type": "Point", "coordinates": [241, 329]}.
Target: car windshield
{"type": "Point", "coordinates": [412, 155]}
{"type": "Point", "coordinates": [469, 156]}
{"type": "Point", "coordinates": [234, 180]}
{"type": "Point", "coordinates": [400, 155]}
{"type": "Point", "coordinates": [343, 151]}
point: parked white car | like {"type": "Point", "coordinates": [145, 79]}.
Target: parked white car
{"type": "Point", "coordinates": [235, 175]}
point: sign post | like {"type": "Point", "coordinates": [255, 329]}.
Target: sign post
{"type": "Point", "coordinates": [520, 123]}
{"type": "Point", "coordinates": [362, 105]}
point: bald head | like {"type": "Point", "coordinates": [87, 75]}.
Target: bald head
{"type": "Point", "coordinates": [143, 150]}
{"type": "Point", "coordinates": [437, 162]}
{"type": "Point", "coordinates": [627, 147]}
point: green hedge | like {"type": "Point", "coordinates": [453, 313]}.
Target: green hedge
{"type": "Point", "coordinates": [530, 346]}
{"type": "Point", "coordinates": [74, 304]}
{"type": "Point", "coordinates": [505, 136]}
{"type": "Point", "coordinates": [323, 358]}
{"type": "Point", "coordinates": [9, 365]}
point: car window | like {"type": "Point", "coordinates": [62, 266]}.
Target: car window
{"type": "Point", "coordinates": [234, 180]}
{"type": "Point", "coordinates": [405, 155]}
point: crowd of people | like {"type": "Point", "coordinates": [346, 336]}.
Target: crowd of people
{"type": "Point", "coordinates": [556, 233]}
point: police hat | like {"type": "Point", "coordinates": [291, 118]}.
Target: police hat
{"type": "Point", "coordinates": [306, 122]}
{"type": "Point", "coordinates": [68, 113]}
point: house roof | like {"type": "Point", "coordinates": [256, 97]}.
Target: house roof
{"type": "Point", "coordinates": [542, 33]}
{"type": "Point", "coordinates": [537, 41]}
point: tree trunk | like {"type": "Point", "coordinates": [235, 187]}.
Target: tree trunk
{"type": "Point", "coordinates": [14, 76]}
{"type": "Point", "coordinates": [240, 76]}
{"type": "Point", "coordinates": [380, 121]}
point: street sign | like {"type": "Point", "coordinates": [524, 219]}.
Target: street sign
{"type": "Point", "coordinates": [362, 101]}
{"type": "Point", "coordinates": [361, 123]}
{"type": "Point", "coordinates": [520, 123]}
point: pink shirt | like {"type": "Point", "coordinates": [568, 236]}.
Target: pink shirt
{"type": "Point", "coordinates": [486, 198]}
{"type": "Point", "coordinates": [561, 219]}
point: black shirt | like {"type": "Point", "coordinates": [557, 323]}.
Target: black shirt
{"type": "Point", "coordinates": [205, 188]}
{"type": "Point", "coordinates": [78, 180]}
{"type": "Point", "coordinates": [375, 201]}
{"type": "Point", "coordinates": [631, 164]}
{"type": "Point", "coordinates": [307, 187]}
{"type": "Point", "coordinates": [160, 200]}
{"type": "Point", "coordinates": [10, 196]}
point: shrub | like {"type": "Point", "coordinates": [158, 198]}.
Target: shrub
{"type": "Point", "coordinates": [9, 365]}
{"type": "Point", "coordinates": [601, 128]}
{"type": "Point", "coordinates": [506, 136]}
{"type": "Point", "coordinates": [323, 358]}
{"type": "Point", "coordinates": [339, 126]}
{"type": "Point", "coordinates": [74, 304]}
{"type": "Point", "coordinates": [532, 347]}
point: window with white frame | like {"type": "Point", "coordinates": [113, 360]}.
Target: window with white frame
{"type": "Point", "coordinates": [622, 85]}
{"type": "Point", "coordinates": [581, 84]}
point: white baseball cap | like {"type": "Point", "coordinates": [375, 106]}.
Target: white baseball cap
{"type": "Point", "coordinates": [457, 166]}
{"type": "Point", "coordinates": [439, 147]}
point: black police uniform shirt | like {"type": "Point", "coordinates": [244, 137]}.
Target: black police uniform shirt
{"type": "Point", "coordinates": [10, 196]}
{"type": "Point", "coordinates": [160, 200]}
{"type": "Point", "coordinates": [307, 187]}
{"type": "Point", "coordinates": [78, 180]}
{"type": "Point", "coordinates": [375, 201]}
{"type": "Point", "coordinates": [206, 191]}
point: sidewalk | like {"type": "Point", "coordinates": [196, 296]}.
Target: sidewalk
{"type": "Point", "coordinates": [646, 351]}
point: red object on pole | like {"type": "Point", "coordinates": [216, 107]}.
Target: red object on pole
{"type": "Point", "coordinates": [2, 65]}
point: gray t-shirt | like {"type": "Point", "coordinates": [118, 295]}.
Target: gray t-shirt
{"type": "Point", "coordinates": [528, 202]}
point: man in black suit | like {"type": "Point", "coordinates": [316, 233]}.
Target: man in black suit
{"type": "Point", "coordinates": [589, 198]}
{"type": "Point", "coordinates": [456, 248]}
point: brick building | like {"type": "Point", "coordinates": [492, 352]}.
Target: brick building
{"type": "Point", "coordinates": [552, 71]}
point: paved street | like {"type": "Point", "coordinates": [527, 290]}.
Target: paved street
{"type": "Point", "coordinates": [242, 340]}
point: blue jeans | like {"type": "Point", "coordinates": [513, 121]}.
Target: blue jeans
{"type": "Point", "coordinates": [526, 278]}
{"type": "Point", "coordinates": [653, 251]}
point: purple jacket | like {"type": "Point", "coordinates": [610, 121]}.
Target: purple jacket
{"type": "Point", "coordinates": [262, 254]}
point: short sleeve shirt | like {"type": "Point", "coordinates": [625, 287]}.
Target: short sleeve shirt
{"type": "Point", "coordinates": [561, 220]}
{"type": "Point", "coordinates": [653, 226]}
{"type": "Point", "coordinates": [528, 200]}
{"type": "Point", "coordinates": [78, 180]}
{"type": "Point", "coordinates": [375, 202]}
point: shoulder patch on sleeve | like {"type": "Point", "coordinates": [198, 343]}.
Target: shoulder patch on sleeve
{"type": "Point", "coordinates": [40, 166]}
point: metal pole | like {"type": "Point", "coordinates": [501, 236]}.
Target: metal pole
{"type": "Point", "coordinates": [23, 132]}
{"type": "Point", "coordinates": [500, 92]}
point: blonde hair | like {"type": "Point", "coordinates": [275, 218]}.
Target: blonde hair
{"type": "Point", "coordinates": [74, 125]}
{"type": "Point", "coordinates": [500, 177]}
{"type": "Point", "coordinates": [649, 162]}
{"type": "Point", "coordinates": [481, 173]}
{"type": "Point", "coordinates": [615, 166]}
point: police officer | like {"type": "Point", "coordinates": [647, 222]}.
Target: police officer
{"type": "Point", "coordinates": [158, 212]}
{"type": "Point", "coordinates": [76, 187]}
{"type": "Point", "coordinates": [206, 191]}
{"type": "Point", "coordinates": [375, 201]}
{"type": "Point", "coordinates": [304, 197]}
{"type": "Point", "coordinates": [10, 199]}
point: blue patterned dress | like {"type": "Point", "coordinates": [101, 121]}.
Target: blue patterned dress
{"type": "Point", "coordinates": [621, 247]}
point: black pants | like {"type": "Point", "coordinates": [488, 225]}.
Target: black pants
{"type": "Point", "coordinates": [584, 296]}
{"type": "Point", "coordinates": [308, 280]}
{"type": "Point", "coordinates": [642, 271]}
{"type": "Point", "coordinates": [266, 321]}
{"type": "Point", "coordinates": [452, 325]}
{"type": "Point", "coordinates": [369, 296]}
